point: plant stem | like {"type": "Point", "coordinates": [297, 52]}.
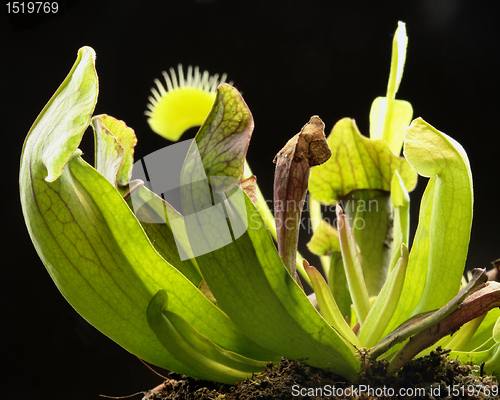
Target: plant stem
{"type": "Point", "coordinates": [475, 305]}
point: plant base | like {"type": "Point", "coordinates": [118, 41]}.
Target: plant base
{"type": "Point", "coordinates": [436, 374]}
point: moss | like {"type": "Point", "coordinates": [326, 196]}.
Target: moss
{"type": "Point", "coordinates": [433, 374]}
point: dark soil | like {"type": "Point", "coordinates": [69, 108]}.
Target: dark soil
{"type": "Point", "coordinates": [432, 377]}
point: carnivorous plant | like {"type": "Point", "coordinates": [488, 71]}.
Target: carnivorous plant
{"type": "Point", "coordinates": [209, 284]}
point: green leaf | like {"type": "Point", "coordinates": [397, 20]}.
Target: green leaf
{"type": "Point", "coordinates": [460, 339]}
{"type": "Point", "coordinates": [352, 267]}
{"type": "Point", "coordinates": [325, 240]}
{"type": "Point", "coordinates": [359, 173]}
{"type": "Point", "coordinates": [383, 309]}
{"type": "Point", "coordinates": [437, 258]}
{"type": "Point", "coordinates": [369, 213]}
{"type": "Point", "coordinates": [112, 284]}
{"type": "Point", "coordinates": [399, 44]}
{"type": "Point", "coordinates": [338, 285]}
{"type": "Point", "coordinates": [93, 246]}
{"type": "Point", "coordinates": [483, 333]}
{"type": "Point", "coordinates": [195, 350]}
{"type": "Point", "coordinates": [328, 306]}
{"type": "Point", "coordinates": [262, 204]}
{"type": "Point", "coordinates": [388, 116]}
{"type": "Point", "coordinates": [155, 215]}
{"type": "Point", "coordinates": [491, 358]}
{"type": "Point", "coordinates": [114, 149]}
{"type": "Point", "coordinates": [356, 163]}
{"type": "Point", "coordinates": [245, 274]}
{"type": "Point", "coordinates": [388, 120]}
{"type": "Point", "coordinates": [401, 230]}
{"type": "Point", "coordinates": [67, 228]}
{"type": "Point", "coordinates": [496, 332]}
{"type": "Point", "coordinates": [213, 167]}
{"type": "Point", "coordinates": [477, 303]}
{"type": "Point", "coordinates": [325, 243]}
{"type": "Point", "coordinates": [221, 143]}
{"type": "Point", "coordinates": [268, 305]}
{"type": "Point", "coordinates": [316, 217]}
{"type": "Point", "coordinates": [68, 111]}
{"type": "Point", "coordinates": [421, 322]}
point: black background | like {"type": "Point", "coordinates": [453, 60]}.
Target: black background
{"type": "Point", "coordinates": [291, 60]}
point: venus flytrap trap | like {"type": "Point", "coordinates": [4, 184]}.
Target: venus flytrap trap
{"type": "Point", "coordinates": [184, 104]}
{"type": "Point", "coordinates": [202, 289]}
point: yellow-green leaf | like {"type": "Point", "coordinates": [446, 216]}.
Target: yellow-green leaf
{"type": "Point", "coordinates": [92, 244]}
{"type": "Point", "coordinates": [437, 258]}
{"type": "Point", "coordinates": [114, 149]}
{"type": "Point", "coordinates": [195, 350]}
{"type": "Point", "coordinates": [356, 163]}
